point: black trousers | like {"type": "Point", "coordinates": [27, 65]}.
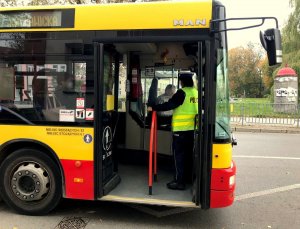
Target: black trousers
{"type": "Point", "coordinates": [183, 144]}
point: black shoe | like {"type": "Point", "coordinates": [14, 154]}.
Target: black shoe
{"type": "Point", "coordinates": [174, 185]}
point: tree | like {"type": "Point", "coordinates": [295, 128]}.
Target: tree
{"type": "Point", "coordinates": [291, 48]}
{"type": "Point", "coordinates": [290, 45]}
{"type": "Point", "coordinates": [4, 3]}
{"type": "Point", "coordinates": [244, 72]}
{"type": "Point", "coordinates": [291, 38]}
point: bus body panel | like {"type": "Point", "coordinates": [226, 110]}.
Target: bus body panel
{"type": "Point", "coordinates": [221, 199]}
{"type": "Point", "coordinates": [221, 156]}
{"type": "Point", "coordinates": [222, 186]}
{"type": "Point", "coordinates": [131, 16]}
{"type": "Point", "coordinates": [74, 146]}
{"type": "Point", "coordinates": [74, 152]}
{"type": "Point", "coordinates": [79, 179]}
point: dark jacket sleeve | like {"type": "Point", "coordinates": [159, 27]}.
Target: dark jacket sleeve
{"type": "Point", "coordinates": [176, 100]}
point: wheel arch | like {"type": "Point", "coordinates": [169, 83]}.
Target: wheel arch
{"type": "Point", "coordinates": [9, 147]}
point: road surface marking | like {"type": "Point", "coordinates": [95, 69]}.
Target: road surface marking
{"type": "Point", "coordinates": [267, 192]}
{"type": "Point", "coordinates": [267, 157]}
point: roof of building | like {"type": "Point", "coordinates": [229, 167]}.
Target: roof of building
{"type": "Point", "coordinates": [286, 71]}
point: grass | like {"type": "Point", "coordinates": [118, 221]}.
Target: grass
{"type": "Point", "coordinates": [261, 108]}
{"type": "Point", "coordinates": [255, 100]}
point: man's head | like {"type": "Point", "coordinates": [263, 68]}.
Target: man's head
{"type": "Point", "coordinates": [170, 90]}
{"type": "Point", "coordinates": [186, 79]}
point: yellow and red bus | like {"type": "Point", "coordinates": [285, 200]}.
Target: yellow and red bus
{"type": "Point", "coordinates": [75, 83]}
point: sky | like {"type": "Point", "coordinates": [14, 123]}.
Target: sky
{"type": "Point", "coordinates": [254, 8]}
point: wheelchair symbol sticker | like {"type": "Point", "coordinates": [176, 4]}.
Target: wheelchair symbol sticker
{"type": "Point", "coordinates": [88, 138]}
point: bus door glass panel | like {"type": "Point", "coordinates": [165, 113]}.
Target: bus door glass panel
{"type": "Point", "coordinates": [222, 130]}
{"type": "Point", "coordinates": [167, 87]}
{"type": "Point", "coordinates": [108, 113]}
{"type": "Point", "coordinates": [137, 108]}
{"type": "Point", "coordinates": [155, 81]}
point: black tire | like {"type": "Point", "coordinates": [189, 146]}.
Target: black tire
{"type": "Point", "coordinates": [42, 193]}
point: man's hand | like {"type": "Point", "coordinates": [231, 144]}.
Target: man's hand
{"type": "Point", "coordinates": [149, 109]}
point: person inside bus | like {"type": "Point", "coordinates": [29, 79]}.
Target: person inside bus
{"type": "Point", "coordinates": [184, 104]}
{"type": "Point", "coordinates": [164, 117]}
{"type": "Point", "coordinates": [65, 91]}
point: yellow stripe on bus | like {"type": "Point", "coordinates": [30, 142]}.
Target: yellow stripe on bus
{"type": "Point", "coordinates": [222, 156]}
{"type": "Point", "coordinates": [72, 143]}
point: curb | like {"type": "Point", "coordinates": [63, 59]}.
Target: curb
{"type": "Point", "coordinates": [260, 129]}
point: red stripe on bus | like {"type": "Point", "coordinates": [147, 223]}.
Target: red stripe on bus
{"type": "Point", "coordinates": [221, 199]}
{"type": "Point", "coordinates": [220, 178]}
{"type": "Point", "coordinates": [79, 179]}
{"type": "Point", "coordinates": [222, 187]}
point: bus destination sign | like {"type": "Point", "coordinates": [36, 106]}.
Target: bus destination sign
{"type": "Point", "coordinates": [37, 19]}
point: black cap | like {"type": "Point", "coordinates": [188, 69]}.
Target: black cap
{"type": "Point", "coordinates": [185, 75]}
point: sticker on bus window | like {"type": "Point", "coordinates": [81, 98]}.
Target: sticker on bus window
{"type": "Point", "coordinates": [80, 113]}
{"type": "Point", "coordinates": [80, 103]}
{"type": "Point", "coordinates": [110, 102]}
{"type": "Point", "coordinates": [66, 115]}
{"type": "Point", "coordinates": [89, 114]}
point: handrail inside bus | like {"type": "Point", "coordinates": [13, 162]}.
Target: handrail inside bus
{"type": "Point", "coordinates": [152, 152]}
{"type": "Point", "coordinates": [16, 114]}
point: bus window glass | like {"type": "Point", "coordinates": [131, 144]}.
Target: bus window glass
{"type": "Point", "coordinates": [79, 69]}
{"type": "Point", "coordinates": [108, 88]}
{"type": "Point", "coordinates": [165, 76]}
{"type": "Point", "coordinates": [41, 88]}
{"type": "Point", "coordinates": [222, 130]}
{"type": "Point", "coordinates": [122, 88]}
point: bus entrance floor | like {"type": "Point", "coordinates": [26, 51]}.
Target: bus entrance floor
{"type": "Point", "coordinates": [133, 188]}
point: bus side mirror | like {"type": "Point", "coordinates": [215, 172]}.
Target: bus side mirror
{"type": "Point", "coordinates": [271, 41]}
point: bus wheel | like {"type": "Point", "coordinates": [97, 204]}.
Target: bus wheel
{"type": "Point", "coordinates": [30, 182]}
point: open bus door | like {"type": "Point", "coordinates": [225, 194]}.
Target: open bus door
{"type": "Point", "coordinates": [206, 97]}
{"type": "Point", "coordinates": [107, 71]}
{"type": "Point", "coordinates": [203, 132]}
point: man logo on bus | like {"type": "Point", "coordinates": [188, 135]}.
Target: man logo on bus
{"type": "Point", "coordinates": [196, 22]}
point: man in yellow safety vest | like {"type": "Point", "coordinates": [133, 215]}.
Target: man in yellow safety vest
{"type": "Point", "coordinates": [184, 104]}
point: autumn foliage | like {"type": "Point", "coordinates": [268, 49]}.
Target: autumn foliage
{"type": "Point", "coordinates": [245, 76]}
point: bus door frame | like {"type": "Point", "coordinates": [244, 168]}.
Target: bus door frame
{"type": "Point", "coordinates": [101, 189]}
{"type": "Point", "coordinates": [204, 136]}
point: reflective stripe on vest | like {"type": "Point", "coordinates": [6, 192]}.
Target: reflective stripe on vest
{"type": "Point", "coordinates": [184, 115]}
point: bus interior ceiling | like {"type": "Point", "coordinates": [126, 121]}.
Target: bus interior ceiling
{"type": "Point", "coordinates": [166, 59]}
{"type": "Point", "coordinates": [159, 54]}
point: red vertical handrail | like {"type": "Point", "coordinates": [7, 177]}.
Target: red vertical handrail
{"type": "Point", "coordinates": [153, 139]}
{"type": "Point", "coordinates": [155, 146]}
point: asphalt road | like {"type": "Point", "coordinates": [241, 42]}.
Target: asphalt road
{"type": "Point", "coordinates": [267, 196]}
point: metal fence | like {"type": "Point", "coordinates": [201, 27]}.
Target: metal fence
{"type": "Point", "coordinates": [265, 114]}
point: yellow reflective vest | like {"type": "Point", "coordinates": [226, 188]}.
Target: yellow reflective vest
{"type": "Point", "coordinates": [184, 116]}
